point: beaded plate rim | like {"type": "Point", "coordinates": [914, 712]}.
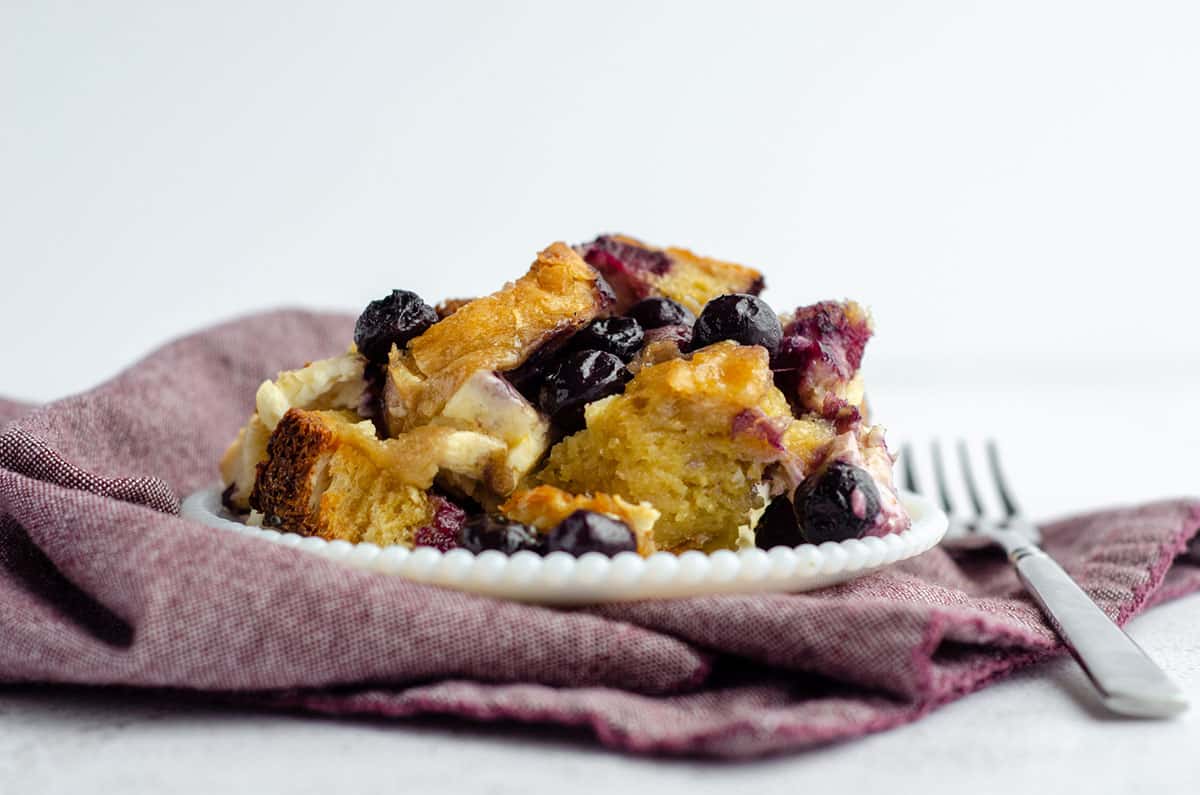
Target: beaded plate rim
{"type": "Point", "coordinates": [592, 578]}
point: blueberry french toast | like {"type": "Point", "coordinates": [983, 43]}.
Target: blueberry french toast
{"type": "Point", "coordinates": [617, 397]}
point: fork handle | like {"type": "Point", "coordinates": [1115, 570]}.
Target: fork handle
{"type": "Point", "coordinates": [1129, 681]}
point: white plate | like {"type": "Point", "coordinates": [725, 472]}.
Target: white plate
{"type": "Point", "coordinates": [561, 579]}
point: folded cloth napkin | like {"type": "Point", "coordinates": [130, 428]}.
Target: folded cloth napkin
{"type": "Point", "coordinates": [102, 583]}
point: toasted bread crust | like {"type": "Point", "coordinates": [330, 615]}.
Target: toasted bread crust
{"type": "Point", "coordinates": [451, 305]}
{"type": "Point", "coordinates": [284, 489]}
{"type": "Point", "coordinates": [334, 383]}
{"type": "Point", "coordinates": [498, 332]}
{"type": "Point", "coordinates": [327, 475]}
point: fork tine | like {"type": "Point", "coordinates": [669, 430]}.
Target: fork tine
{"type": "Point", "coordinates": [908, 469]}
{"type": "Point", "coordinates": [1001, 483]}
{"type": "Point", "coordinates": [939, 475]}
{"type": "Point", "coordinates": [964, 460]}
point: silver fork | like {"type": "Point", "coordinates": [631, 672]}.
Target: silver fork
{"type": "Point", "coordinates": [1129, 682]}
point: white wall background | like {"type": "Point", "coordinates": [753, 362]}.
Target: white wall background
{"type": "Point", "coordinates": [1002, 182]}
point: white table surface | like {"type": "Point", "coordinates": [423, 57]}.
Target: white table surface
{"type": "Point", "coordinates": [1039, 731]}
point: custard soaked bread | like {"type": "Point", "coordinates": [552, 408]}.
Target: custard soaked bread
{"type": "Point", "coordinates": [696, 438]}
{"type": "Point", "coordinates": [326, 476]}
{"type": "Point", "coordinates": [617, 397]}
{"type": "Point", "coordinates": [335, 383]}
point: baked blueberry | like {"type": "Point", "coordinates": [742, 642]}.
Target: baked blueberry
{"type": "Point", "coordinates": [444, 529]}
{"type": "Point", "coordinates": [837, 503]}
{"type": "Point", "coordinates": [658, 312]}
{"type": "Point", "coordinates": [588, 531]}
{"type": "Point", "coordinates": [819, 355]}
{"type": "Point", "coordinates": [392, 320]}
{"type": "Point", "coordinates": [612, 255]}
{"type": "Point", "coordinates": [494, 532]}
{"type": "Point", "coordinates": [746, 319]}
{"type": "Point", "coordinates": [370, 404]}
{"type": "Point", "coordinates": [620, 336]}
{"type": "Point", "coordinates": [582, 378]}
{"type": "Point", "coordinates": [529, 376]}
{"type": "Point", "coordinates": [777, 527]}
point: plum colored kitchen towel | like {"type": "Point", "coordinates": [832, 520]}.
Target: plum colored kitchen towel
{"type": "Point", "coordinates": [102, 583]}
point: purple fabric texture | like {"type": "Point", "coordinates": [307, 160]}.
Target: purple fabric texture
{"type": "Point", "coordinates": [102, 583]}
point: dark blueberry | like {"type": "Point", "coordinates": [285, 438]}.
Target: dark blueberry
{"type": "Point", "coordinates": [393, 320]}
{"type": "Point", "coordinates": [659, 312]}
{"type": "Point", "coordinates": [494, 532]}
{"type": "Point", "coordinates": [370, 403]}
{"type": "Point", "coordinates": [588, 531]}
{"type": "Point", "coordinates": [838, 503]}
{"type": "Point", "coordinates": [540, 364]}
{"type": "Point", "coordinates": [620, 336]}
{"type": "Point", "coordinates": [739, 317]}
{"type": "Point", "coordinates": [777, 526]}
{"type": "Point", "coordinates": [582, 378]}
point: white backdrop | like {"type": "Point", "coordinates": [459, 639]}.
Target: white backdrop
{"type": "Point", "coordinates": [1004, 183]}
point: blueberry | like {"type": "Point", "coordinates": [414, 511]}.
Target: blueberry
{"type": "Point", "coordinates": [370, 403]}
{"type": "Point", "coordinates": [582, 378]}
{"type": "Point", "coordinates": [494, 532]}
{"type": "Point", "coordinates": [393, 320]}
{"type": "Point", "coordinates": [612, 256]}
{"type": "Point", "coordinates": [658, 312]}
{"type": "Point", "coordinates": [777, 526]}
{"type": "Point", "coordinates": [739, 317]}
{"type": "Point", "coordinates": [620, 336]}
{"type": "Point", "coordinates": [588, 531]}
{"type": "Point", "coordinates": [838, 503]}
{"type": "Point", "coordinates": [529, 376]}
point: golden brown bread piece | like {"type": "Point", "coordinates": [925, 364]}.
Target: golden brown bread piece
{"type": "Point", "coordinates": [694, 437]}
{"type": "Point", "coordinates": [327, 474]}
{"type": "Point", "coordinates": [545, 506]}
{"type": "Point", "coordinates": [319, 480]}
{"type": "Point", "coordinates": [560, 293]}
{"type": "Point", "coordinates": [334, 383]}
